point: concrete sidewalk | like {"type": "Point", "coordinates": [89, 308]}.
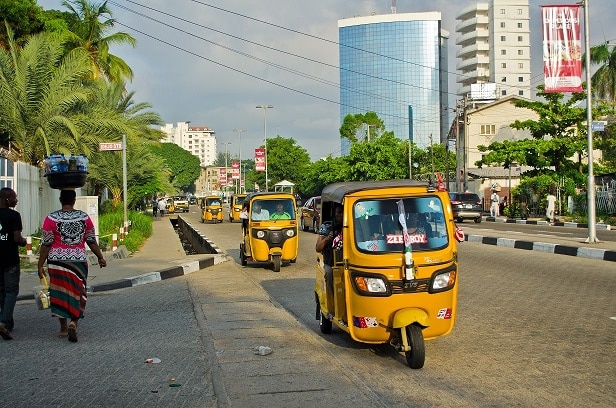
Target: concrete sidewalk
{"type": "Point", "coordinates": [161, 257]}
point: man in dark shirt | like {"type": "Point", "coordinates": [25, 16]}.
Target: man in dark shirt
{"type": "Point", "coordinates": [330, 236]}
{"type": "Point", "coordinates": [10, 240]}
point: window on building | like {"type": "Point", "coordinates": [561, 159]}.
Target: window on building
{"type": "Point", "coordinates": [504, 65]}
{"type": "Point", "coordinates": [503, 52]}
{"type": "Point", "coordinates": [520, 79]}
{"type": "Point", "coordinates": [521, 93]}
{"type": "Point", "coordinates": [519, 11]}
{"type": "Point", "coordinates": [488, 130]}
{"type": "Point", "coordinates": [504, 79]}
{"type": "Point", "coordinates": [503, 92]}
{"type": "Point", "coordinates": [502, 11]}
{"type": "Point", "coordinates": [520, 38]}
{"type": "Point", "coordinates": [503, 38]}
{"type": "Point", "coordinates": [520, 52]}
{"type": "Point", "coordinates": [502, 24]}
{"type": "Point", "coordinates": [519, 25]}
{"type": "Point", "coordinates": [521, 65]}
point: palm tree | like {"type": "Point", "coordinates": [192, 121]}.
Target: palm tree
{"type": "Point", "coordinates": [41, 87]}
{"type": "Point", "coordinates": [604, 79]}
{"type": "Point", "coordinates": [91, 34]}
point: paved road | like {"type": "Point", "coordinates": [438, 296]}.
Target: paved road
{"type": "Point", "coordinates": [530, 325]}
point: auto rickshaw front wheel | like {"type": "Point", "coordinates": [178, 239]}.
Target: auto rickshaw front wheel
{"type": "Point", "coordinates": [243, 258]}
{"type": "Point", "coordinates": [417, 355]}
{"type": "Point", "coordinates": [276, 263]}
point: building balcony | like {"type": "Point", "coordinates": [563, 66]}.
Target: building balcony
{"type": "Point", "coordinates": [474, 36]}
{"type": "Point", "coordinates": [473, 9]}
{"type": "Point", "coordinates": [482, 48]}
{"type": "Point", "coordinates": [472, 23]}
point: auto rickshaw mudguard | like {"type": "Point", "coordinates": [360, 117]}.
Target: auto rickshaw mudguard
{"type": "Point", "coordinates": [410, 315]}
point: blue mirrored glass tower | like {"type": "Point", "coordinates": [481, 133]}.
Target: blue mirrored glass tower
{"type": "Point", "coordinates": [396, 65]}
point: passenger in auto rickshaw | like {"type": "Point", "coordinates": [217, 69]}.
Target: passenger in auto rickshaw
{"type": "Point", "coordinates": [259, 213]}
{"type": "Point", "coordinates": [280, 213]}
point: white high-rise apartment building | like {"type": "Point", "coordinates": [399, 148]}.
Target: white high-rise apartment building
{"type": "Point", "coordinates": [198, 140]}
{"type": "Point", "coordinates": [494, 40]}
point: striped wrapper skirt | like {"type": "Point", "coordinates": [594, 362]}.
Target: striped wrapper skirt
{"type": "Point", "coordinates": [67, 288]}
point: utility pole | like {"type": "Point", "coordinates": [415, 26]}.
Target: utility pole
{"type": "Point", "coordinates": [239, 183]}
{"type": "Point", "coordinates": [458, 148]}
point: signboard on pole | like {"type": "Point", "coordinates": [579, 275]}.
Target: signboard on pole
{"type": "Point", "coordinates": [562, 48]}
{"type": "Point", "coordinates": [235, 170]}
{"type": "Point", "coordinates": [110, 146]}
{"type": "Point", "coordinates": [260, 159]}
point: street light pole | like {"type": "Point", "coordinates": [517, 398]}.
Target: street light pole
{"type": "Point", "coordinates": [226, 169]}
{"type": "Point", "coordinates": [239, 133]}
{"type": "Point", "coordinates": [265, 108]}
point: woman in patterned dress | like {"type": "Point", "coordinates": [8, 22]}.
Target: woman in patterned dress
{"type": "Point", "coordinates": [65, 233]}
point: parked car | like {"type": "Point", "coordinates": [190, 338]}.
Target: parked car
{"type": "Point", "coordinates": [466, 206]}
{"type": "Point", "coordinates": [181, 203]}
{"type": "Point", "coordinates": [310, 217]}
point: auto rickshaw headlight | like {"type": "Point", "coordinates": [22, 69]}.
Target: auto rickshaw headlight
{"type": "Point", "coordinates": [290, 233]}
{"type": "Point", "coordinates": [443, 280]}
{"type": "Point", "coordinates": [370, 285]}
{"type": "Point", "coordinates": [261, 234]}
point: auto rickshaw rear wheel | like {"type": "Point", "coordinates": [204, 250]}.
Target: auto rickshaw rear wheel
{"type": "Point", "coordinates": [243, 259]}
{"type": "Point", "coordinates": [417, 356]}
{"type": "Point", "coordinates": [324, 323]}
{"type": "Point", "coordinates": [276, 262]}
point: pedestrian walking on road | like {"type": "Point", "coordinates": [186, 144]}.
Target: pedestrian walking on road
{"type": "Point", "coordinates": [10, 241]}
{"type": "Point", "coordinates": [65, 235]}
{"type": "Point", "coordinates": [494, 210]}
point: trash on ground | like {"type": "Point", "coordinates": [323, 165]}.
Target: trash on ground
{"type": "Point", "coordinates": [262, 350]}
{"type": "Point", "coordinates": [153, 360]}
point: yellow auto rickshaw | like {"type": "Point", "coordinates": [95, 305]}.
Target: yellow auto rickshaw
{"type": "Point", "coordinates": [211, 207]}
{"type": "Point", "coordinates": [235, 206]}
{"type": "Point", "coordinates": [394, 256]}
{"type": "Point", "coordinates": [270, 231]}
{"type": "Point", "coordinates": [170, 206]}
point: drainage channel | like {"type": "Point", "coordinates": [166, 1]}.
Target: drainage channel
{"type": "Point", "coordinates": [188, 248]}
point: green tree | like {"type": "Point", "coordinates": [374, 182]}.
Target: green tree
{"type": "Point", "coordinates": [321, 173]}
{"type": "Point", "coordinates": [184, 167]}
{"type": "Point", "coordinates": [41, 88]}
{"type": "Point", "coordinates": [604, 79]}
{"type": "Point", "coordinates": [285, 161]}
{"type": "Point", "coordinates": [368, 125]}
{"type": "Point", "coordinates": [24, 17]}
{"type": "Point", "coordinates": [91, 27]}
{"type": "Point", "coordinates": [382, 159]}
{"type": "Point", "coordinates": [557, 135]}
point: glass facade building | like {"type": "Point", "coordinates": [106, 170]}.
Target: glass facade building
{"type": "Point", "coordinates": [396, 65]}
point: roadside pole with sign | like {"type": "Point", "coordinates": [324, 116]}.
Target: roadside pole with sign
{"type": "Point", "coordinates": [114, 146]}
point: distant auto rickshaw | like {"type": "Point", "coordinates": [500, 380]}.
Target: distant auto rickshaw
{"type": "Point", "coordinates": [235, 207]}
{"type": "Point", "coordinates": [270, 233]}
{"type": "Point", "coordinates": [212, 209]}
{"type": "Point", "coordinates": [394, 275]}
{"type": "Point", "coordinates": [170, 206]}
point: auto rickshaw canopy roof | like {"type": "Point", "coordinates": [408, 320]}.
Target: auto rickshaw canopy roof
{"type": "Point", "coordinates": [335, 192]}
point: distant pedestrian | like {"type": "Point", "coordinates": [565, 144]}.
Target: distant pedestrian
{"type": "Point", "coordinates": [162, 206]}
{"type": "Point", "coordinates": [550, 207]}
{"type": "Point", "coordinates": [65, 235]}
{"type": "Point", "coordinates": [154, 206]}
{"type": "Point", "coordinates": [10, 241]}
{"type": "Point", "coordinates": [494, 210]}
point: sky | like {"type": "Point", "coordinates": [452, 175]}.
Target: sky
{"type": "Point", "coordinates": [211, 62]}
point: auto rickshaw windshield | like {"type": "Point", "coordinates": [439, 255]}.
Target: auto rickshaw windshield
{"type": "Point", "coordinates": [380, 224]}
{"type": "Point", "coordinates": [213, 201]}
{"type": "Point", "coordinates": [273, 209]}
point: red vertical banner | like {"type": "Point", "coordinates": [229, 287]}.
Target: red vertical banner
{"type": "Point", "coordinates": [562, 48]}
{"type": "Point", "coordinates": [260, 159]}
{"type": "Point", "coordinates": [235, 170]}
{"type": "Point", "coordinates": [223, 176]}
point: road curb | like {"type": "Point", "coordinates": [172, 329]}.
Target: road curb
{"type": "Point", "coordinates": [584, 252]}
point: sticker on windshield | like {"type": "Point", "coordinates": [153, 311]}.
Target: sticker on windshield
{"type": "Point", "coordinates": [399, 238]}
{"type": "Point", "coordinates": [364, 322]}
